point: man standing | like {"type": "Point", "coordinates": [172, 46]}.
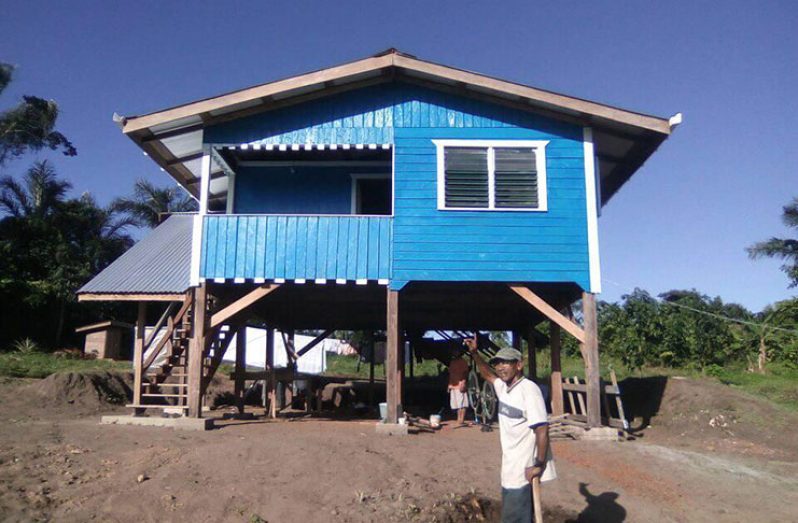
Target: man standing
{"type": "Point", "coordinates": [523, 429]}
{"type": "Point", "coordinates": [458, 372]}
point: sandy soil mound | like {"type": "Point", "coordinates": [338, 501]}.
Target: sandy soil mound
{"type": "Point", "coordinates": [91, 390]}
{"type": "Point", "coordinates": [713, 416]}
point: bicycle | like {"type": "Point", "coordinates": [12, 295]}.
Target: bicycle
{"type": "Point", "coordinates": [482, 398]}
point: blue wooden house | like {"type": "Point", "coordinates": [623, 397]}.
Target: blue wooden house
{"type": "Point", "coordinates": [387, 193]}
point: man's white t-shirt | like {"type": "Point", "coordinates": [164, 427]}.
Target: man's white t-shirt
{"type": "Point", "coordinates": [521, 408]}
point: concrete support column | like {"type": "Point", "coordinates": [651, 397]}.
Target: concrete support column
{"type": "Point", "coordinates": [590, 351]}
{"type": "Point", "coordinates": [195, 352]}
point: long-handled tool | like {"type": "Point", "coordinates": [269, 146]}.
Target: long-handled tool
{"type": "Point", "coordinates": [536, 499]}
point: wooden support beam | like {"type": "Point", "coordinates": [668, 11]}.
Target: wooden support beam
{"type": "Point", "coordinates": [556, 370]}
{"type": "Point", "coordinates": [89, 296]}
{"type": "Point", "coordinates": [216, 360]}
{"type": "Point", "coordinates": [289, 344]}
{"type": "Point", "coordinates": [393, 387]}
{"type": "Point", "coordinates": [318, 339]}
{"type": "Point", "coordinates": [270, 392]}
{"type": "Point", "coordinates": [590, 344]}
{"type": "Point", "coordinates": [550, 312]}
{"type": "Point", "coordinates": [240, 367]}
{"type": "Point", "coordinates": [241, 304]}
{"type": "Point", "coordinates": [195, 352]}
{"type": "Point", "coordinates": [138, 353]}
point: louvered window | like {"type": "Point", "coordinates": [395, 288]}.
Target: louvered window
{"type": "Point", "coordinates": [516, 178]}
{"type": "Point", "coordinates": [466, 175]}
{"type": "Point", "coordinates": [492, 175]}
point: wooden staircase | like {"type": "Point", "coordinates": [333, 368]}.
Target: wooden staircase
{"type": "Point", "coordinates": [167, 384]}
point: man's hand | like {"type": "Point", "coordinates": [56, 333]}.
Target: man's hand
{"type": "Point", "coordinates": [534, 472]}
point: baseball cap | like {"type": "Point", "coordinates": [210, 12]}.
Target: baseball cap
{"type": "Point", "coordinates": [506, 354]}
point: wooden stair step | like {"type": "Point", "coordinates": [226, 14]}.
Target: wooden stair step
{"type": "Point", "coordinates": [161, 395]}
{"type": "Point", "coordinates": [172, 385]}
{"type": "Point", "coordinates": [151, 406]}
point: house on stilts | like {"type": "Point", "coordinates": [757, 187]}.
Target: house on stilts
{"type": "Point", "coordinates": [389, 193]}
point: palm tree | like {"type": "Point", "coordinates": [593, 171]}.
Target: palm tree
{"type": "Point", "coordinates": [37, 196]}
{"type": "Point", "coordinates": [784, 248]}
{"type": "Point", "coordinates": [149, 203]}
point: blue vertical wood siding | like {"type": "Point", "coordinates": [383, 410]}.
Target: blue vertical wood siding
{"type": "Point", "coordinates": [429, 244]}
{"type": "Point", "coordinates": [294, 247]}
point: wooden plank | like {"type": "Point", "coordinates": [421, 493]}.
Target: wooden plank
{"type": "Point", "coordinates": [532, 356]}
{"type": "Point", "coordinates": [138, 353]}
{"type": "Point", "coordinates": [550, 312]}
{"type": "Point", "coordinates": [270, 382]}
{"type": "Point", "coordinates": [580, 399]}
{"type": "Point", "coordinates": [581, 387]}
{"type": "Point", "coordinates": [392, 376]}
{"type": "Point", "coordinates": [557, 407]}
{"type": "Point", "coordinates": [590, 345]}
{"type": "Point", "coordinates": [571, 400]}
{"type": "Point", "coordinates": [618, 402]}
{"type": "Point", "coordinates": [130, 297]}
{"type": "Point", "coordinates": [195, 353]}
{"type": "Point", "coordinates": [241, 304]}
{"type": "Point", "coordinates": [318, 339]}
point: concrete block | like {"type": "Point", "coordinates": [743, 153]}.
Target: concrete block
{"type": "Point", "coordinates": [175, 423]}
{"type": "Point", "coordinates": [601, 434]}
{"type": "Point", "coordinates": [391, 429]}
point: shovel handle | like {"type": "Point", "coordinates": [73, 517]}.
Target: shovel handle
{"type": "Point", "coordinates": [536, 499]}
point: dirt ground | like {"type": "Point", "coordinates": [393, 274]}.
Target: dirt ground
{"type": "Point", "coordinates": [701, 454]}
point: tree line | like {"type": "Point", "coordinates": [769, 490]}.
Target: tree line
{"type": "Point", "coordinates": [52, 243]}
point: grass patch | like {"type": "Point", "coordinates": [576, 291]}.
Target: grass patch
{"type": "Point", "coordinates": [41, 365]}
{"type": "Point", "coordinates": [338, 365]}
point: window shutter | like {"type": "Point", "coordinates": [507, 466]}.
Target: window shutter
{"type": "Point", "coordinates": [466, 172]}
{"type": "Point", "coordinates": [516, 178]}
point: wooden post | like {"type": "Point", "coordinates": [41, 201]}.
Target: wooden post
{"type": "Point", "coordinates": [372, 355]}
{"type": "Point", "coordinates": [195, 352]}
{"type": "Point", "coordinates": [592, 376]}
{"type": "Point", "coordinates": [556, 370]}
{"type": "Point", "coordinates": [393, 386]}
{"type": "Point", "coordinates": [241, 366]}
{"type": "Point", "coordinates": [269, 394]}
{"type": "Point", "coordinates": [412, 357]}
{"type": "Point", "coordinates": [138, 354]}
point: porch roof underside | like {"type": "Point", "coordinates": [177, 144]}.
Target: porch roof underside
{"type": "Point", "coordinates": [623, 140]}
{"type": "Point", "coordinates": [158, 265]}
{"type": "Point", "coordinates": [423, 306]}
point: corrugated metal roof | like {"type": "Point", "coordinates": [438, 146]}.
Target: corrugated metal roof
{"type": "Point", "coordinates": [160, 263]}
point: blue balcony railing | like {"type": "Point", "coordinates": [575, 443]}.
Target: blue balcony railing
{"type": "Point", "coordinates": [296, 247]}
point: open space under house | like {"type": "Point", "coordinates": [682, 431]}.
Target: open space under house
{"type": "Point", "coordinates": [389, 193]}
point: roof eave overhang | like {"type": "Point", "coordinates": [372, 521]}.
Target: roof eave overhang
{"type": "Point", "coordinates": [149, 131]}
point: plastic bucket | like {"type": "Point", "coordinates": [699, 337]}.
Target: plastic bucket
{"type": "Point", "coordinates": [383, 412]}
{"type": "Point", "coordinates": [435, 420]}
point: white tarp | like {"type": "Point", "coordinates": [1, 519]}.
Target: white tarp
{"type": "Point", "coordinates": [312, 362]}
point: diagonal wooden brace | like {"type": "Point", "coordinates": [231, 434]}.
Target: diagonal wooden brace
{"type": "Point", "coordinates": [241, 304]}
{"type": "Point", "coordinates": [550, 312]}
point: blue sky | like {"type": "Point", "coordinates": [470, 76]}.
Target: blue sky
{"type": "Point", "coordinates": [683, 221]}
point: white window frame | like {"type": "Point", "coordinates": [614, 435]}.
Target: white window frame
{"type": "Point", "coordinates": [491, 145]}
